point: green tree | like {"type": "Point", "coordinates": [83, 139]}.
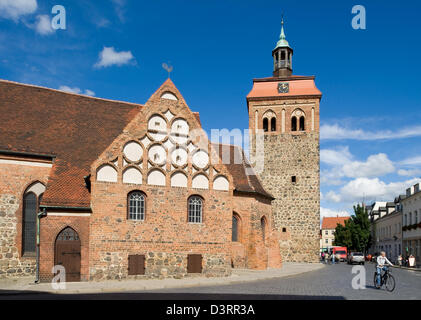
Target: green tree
{"type": "Point", "coordinates": [355, 235]}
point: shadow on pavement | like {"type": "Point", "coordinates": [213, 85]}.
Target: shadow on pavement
{"type": "Point", "coordinates": [34, 295]}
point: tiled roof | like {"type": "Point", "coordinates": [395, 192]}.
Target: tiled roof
{"type": "Point", "coordinates": [298, 86]}
{"type": "Point", "coordinates": [74, 128]}
{"type": "Point", "coordinates": [332, 222]}
{"type": "Point", "coordinates": [245, 178]}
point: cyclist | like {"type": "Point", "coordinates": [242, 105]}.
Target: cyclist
{"type": "Point", "coordinates": [381, 265]}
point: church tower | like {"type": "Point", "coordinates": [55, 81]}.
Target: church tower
{"type": "Point", "coordinates": [285, 151]}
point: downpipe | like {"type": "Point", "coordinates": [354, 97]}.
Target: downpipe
{"type": "Point", "coordinates": [40, 215]}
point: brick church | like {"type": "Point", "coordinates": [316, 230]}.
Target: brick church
{"type": "Point", "coordinates": [110, 189]}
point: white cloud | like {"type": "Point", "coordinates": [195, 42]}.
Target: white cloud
{"type": "Point", "coordinates": [369, 189]}
{"type": "Point", "coordinates": [343, 165]}
{"type": "Point", "coordinates": [325, 212]}
{"type": "Point", "coordinates": [335, 132]}
{"type": "Point", "coordinates": [412, 161]}
{"type": "Point", "coordinates": [376, 165]}
{"type": "Point", "coordinates": [76, 90]}
{"type": "Point", "coordinates": [43, 25]}
{"type": "Point", "coordinates": [119, 9]}
{"type": "Point", "coordinates": [409, 172]}
{"type": "Point", "coordinates": [336, 157]}
{"type": "Point", "coordinates": [14, 9]}
{"type": "Point", "coordinates": [109, 57]}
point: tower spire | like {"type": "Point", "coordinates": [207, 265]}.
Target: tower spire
{"type": "Point", "coordinates": [282, 55]}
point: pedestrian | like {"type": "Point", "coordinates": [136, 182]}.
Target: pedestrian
{"type": "Point", "coordinates": [400, 260]}
{"type": "Point", "coordinates": [333, 258]}
{"type": "Point", "coordinates": [323, 256]}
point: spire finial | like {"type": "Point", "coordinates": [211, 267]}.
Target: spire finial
{"type": "Point", "coordinates": [282, 38]}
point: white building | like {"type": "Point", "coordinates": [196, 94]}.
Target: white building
{"type": "Point", "coordinates": [411, 210]}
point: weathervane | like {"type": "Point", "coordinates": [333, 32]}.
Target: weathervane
{"type": "Point", "coordinates": [168, 68]}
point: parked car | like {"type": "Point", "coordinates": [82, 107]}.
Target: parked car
{"type": "Point", "coordinates": [356, 257]}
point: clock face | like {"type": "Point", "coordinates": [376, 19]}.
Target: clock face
{"type": "Point", "coordinates": [283, 87]}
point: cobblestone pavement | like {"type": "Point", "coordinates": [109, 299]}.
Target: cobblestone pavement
{"type": "Point", "coordinates": [332, 282]}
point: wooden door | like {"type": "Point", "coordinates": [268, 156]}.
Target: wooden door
{"type": "Point", "coordinates": [136, 265]}
{"type": "Point", "coordinates": [194, 263]}
{"type": "Point", "coordinates": [68, 254]}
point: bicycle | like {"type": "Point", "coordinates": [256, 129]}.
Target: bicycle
{"type": "Point", "coordinates": [386, 280]}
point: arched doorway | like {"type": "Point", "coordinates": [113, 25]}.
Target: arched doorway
{"type": "Point", "coordinates": [67, 253]}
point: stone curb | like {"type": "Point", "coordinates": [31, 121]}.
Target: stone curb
{"type": "Point", "coordinates": [202, 282]}
{"type": "Point", "coordinates": [407, 268]}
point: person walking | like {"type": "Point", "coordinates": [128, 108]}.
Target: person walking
{"type": "Point", "coordinates": [333, 258]}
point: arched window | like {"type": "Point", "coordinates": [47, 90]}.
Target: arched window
{"type": "Point", "coordinates": [235, 228]}
{"type": "Point", "coordinates": [136, 206]}
{"type": "Point", "coordinates": [195, 214]}
{"type": "Point", "coordinates": [29, 234]}
{"type": "Point", "coordinates": [273, 124]}
{"type": "Point", "coordinates": [263, 226]}
{"type": "Point", "coordinates": [265, 125]}
{"type": "Point", "coordinates": [68, 234]}
{"type": "Point", "coordinates": [294, 124]}
{"type": "Point", "coordinates": [302, 124]}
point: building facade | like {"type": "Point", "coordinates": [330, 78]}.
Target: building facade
{"type": "Point", "coordinates": [388, 233]}
{"type": "Point", "coordinates": [411, 211]}
{"type": "Point", "coordinates": [109, 190]}
{"type": "Point", "coordinates": [327, 231]}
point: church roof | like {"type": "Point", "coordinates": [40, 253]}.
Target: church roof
{"type": "Point", "coordinates": [245, 178]}
{"type": "Point", "coordinates": [73, 130]}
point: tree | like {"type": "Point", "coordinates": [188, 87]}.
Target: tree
{"type": "Point", "coordinates": [355, 235]}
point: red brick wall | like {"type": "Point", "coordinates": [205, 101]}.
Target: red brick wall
{"type": "Point", "coordinates": [165, 231]}
{"type": "Point", "coordinates": [251, 251]}
{"type": "Point", "coordinates": [50, 228]}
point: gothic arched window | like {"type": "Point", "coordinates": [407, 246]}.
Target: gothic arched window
{"type": "Point", "coordinates": [273, 124]}
{"type": "Point", "coordinates": [265, 125]}
{"type": "Point", "coordinates": [236, 228]}
{"type": "Point", "coordinates": [136, 206]}
{"type": "Point", "coordinates": [302, 124]}
{"type": "Point", "coordinates": [294, 124]}
{"type": "Point", "coordinates": [29, 227]}
{"type": "Point", "coordinates": [195, 209]}
{"type": "Point", "coordinates": [263, 226]}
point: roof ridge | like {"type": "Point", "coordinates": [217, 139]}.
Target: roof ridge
{"type": "Point", "coordinates": [68, 93]}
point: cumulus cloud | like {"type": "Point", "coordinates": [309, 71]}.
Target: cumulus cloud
{"type": "Point", "coordinates": [376, 165]}
{"type": "Point", "coordinates": [15, 9]}
{"type": "Point", "coordinates": [43, 25]}
{"type": "Point", "coordinates": [344, 165]}
{"type": "Point", "coordinates": [109, 57]}
{"type": "Point", "coordinates": [369, 189]}
{"type": "Point", "coordinates": [336, 132]}
{"type": "Point", "coordinates": [76, 90]}
{"type": "Point", "coordinates": [340, 156]}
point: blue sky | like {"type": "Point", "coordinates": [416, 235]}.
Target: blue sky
{"type": "Point", "coordinates": [370, 111]}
